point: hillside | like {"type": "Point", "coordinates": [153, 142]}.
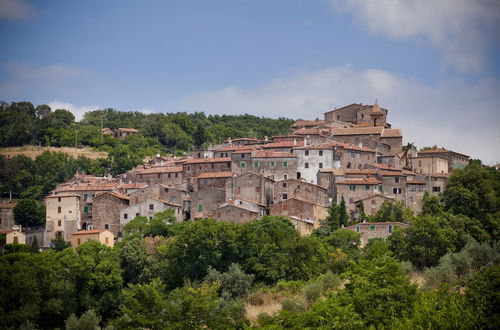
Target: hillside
{"type": "Point", "coordinates": [34, 151]}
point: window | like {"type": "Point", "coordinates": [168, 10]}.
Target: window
{"type": "Point", "coordinates": [436, 189]}
{"type": "Point", "coordinates": [257, 190]}
{"type": "Point", "coordinates": [200, 207]}
{"type": "Point", "coordinates": [58, 209]}
{"type": "Point", "coordinates": [357, 229]}
{"type": "Point", "coordinates": [307, 152]}
{"type": "Point", "coordinates": [284, 196]}
{"type": "Point", "coordinates": [352, 187]}
{"type": "Point", "coordinates": [256, 164]}
{"type": "Point", "coordinates": [59, 199]}
{"type": "Point", "coordinates": [166, 190]}
{"type": "Point", "coordinates": [59, 223]}
{"type": "Point", "coordinates": [396, 179]}
{"type": "Point", "coordinates": [199, 168]}
{"type": "Point", "coordinates": [228, 165]}
{"type": "Point", "coordinates": [367, 187]}
{"type": "Point", "coordinates": [272, 164]}
{"type": "Point", "coordinates": [338, 117]}
{"type": "Point", "coordinates": [285, 176]}
{"type": "Point", "coordinates": [106, 240]}
{"type": "Point", "coordinates": [189, 167]}
{"type": "Point", "coordinates": [169, 175]}
{"type": "Point", "coordinates": [16, 240]}
{"type": "Point", "coordinates": [243, 164]}
{"type": "Point", "coordinates": [159, 175]}
{"type": "Point", "coordinates": [298, 175]}
{"type": "Point", "coordinates": [272, 176]}
{"type": "Point", "coordinates": [106, 226]}
{"type": "Point", "coordinates": [374, 202]}
{"type": "Point", "coordinates": [389, 229]}
{"type": "Point", "coordinates": [321, 152]}
{"type": "Point", "coordinates": [285, 164]}
{"type": "Point", "coordinates": [348, 165]}
{"type": "Point", "coordinates": [173, 199]}
{"type": "Point", "coordinates": [306, 165]}
{"type": "Point", "coordinates": [85, 197]}
{"type": "Point", "coordinates": [176, 174]}
{"type": "Point", "coordinates": [372, 227]}
{"type": "Point", "coordinates": [78, 241]}
{"type": "Point", "coordinates": [419, 163]}
{"type": "Point", "coordinates": [242, 155]}
{"type": "Point", "coordinates": [238, 190]}
{"type": "Point", "coordinates": [151, 207]}
{"type": "Point", "coordinates": [284, 184]}
{"type": "Point", "coordinates": [212, 166]}
{"type": "Point", "coordinates": [380, 188]}
{"type": "Point", "coordinates": [125, 216]}
{"type": "Point", "coordinates": [85, 209]}
{"type": "Point", "coordinates": [396, 191]}
{"type": "Point", "coordinates": [137, 214]}
{"type": "Point", "coordinates": [320, 165]}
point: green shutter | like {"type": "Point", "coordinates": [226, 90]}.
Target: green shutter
{"type": "Point", "coordinates": [85, 209]}
{"type": "Point", "coordinates": [372, 227]}
{"type": "Point", "coordinates": [200, 207]}
{"type": "Point", "coordinates": [272, 164]}
{"type": "Point", "coordinates": [256, 164]}
{"type": "Point", "coordinates": [243, 164]}
{"type": "Point", "coordinates": [285, 164]}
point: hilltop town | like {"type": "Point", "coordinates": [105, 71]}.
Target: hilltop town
{"type": "Point", "coordinates": [353, 156]}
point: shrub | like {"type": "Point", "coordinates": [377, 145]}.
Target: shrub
{"type": "Point", "coordinates": [290, 286]}
{"type": "Point", "coordinates": [295, 304]}
{"type": "Point", "coordinates": [233, 282]}
{"type": "Point", "coordinates": [329, 281]}
{"type": "Point", "coordinates": [313, 291]}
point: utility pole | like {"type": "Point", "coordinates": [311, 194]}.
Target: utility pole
{"type": "Point", "coordinates": [101, 130]}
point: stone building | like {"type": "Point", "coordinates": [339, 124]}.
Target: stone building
{"type": "Point", "coordinates": [359, 114]}
{"type": "Point", "coordinates": [455, 159]}
{"type": "Point", "coordinates": [14, 236]}
{"type": "Point", "coordinates": [102, 236]}
{"type": "Point", "coordinates": [371, 230]}
{"type": "Point", "coordinates": [253, 187]}
{"type": "Point", "coordinates": [174, 195]}
{"type": "Point", "coordinates": [436, 183]}
{"type": "Point", "coordinates": [293, 188]}
{"type": "Point", "coordinates": [106, 209]}
{"type": "Point", "coordinates": [272, 164]}
{"type": "Point", "coordinates": [300, 124]}
{"type": "Point", "coordinates": [429, 164]}
{"type": "Point", "coordinates": [238, 211]}
{"type": "Point", "coordinates": [301, 210]}
{"type": "Point", "coordinates": [7, 215]}
{"type": "Point", "coordinates": [205, 200]}
{"type": "Point", "coordinates": [394, 183]}
{"type": "Point", "coordinates": [313, 158]}
{"type": "Point", "coordinates": [213, 179]}
{"type": "Point", "coordinates": [171, 175]}
{"type": "Point", "coordinates": [355, 189]}
{"type": "Point", "coordinates": [122, 133]}
{"type": "Point", "coordinates": [371, 204]}
{"type": "Point", "coordinates": [62, 216]}
{"type": "Point", "coordinates": [148, 209]}
{"type": "Point", "coordinates": [194, 167]}
{"type": "Point", "coordinates": [415, 188]}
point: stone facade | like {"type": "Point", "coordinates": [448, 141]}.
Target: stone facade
{"type": "Point", "coordinates": [106, 208]}
{"type": "Point", "coordinates": [102, 236]}
{"type": "Point", "coordinates": [297, 209]}
{"type": "Point", "coordinates": [371, 204]}
{"type": "Point", "coordinates": [358, 114]}
{"type": "Point", "coordinates": [252, 187]}
{"type": "Point", "coordinates": [213, 180]}
{"type": "Point", "coordinates": [455, 159]}
{"type": "Point", "coordinates": [355, 189]}
{"type": "Point", "coordinates": [429, 164]}
{"type": "Point", "coordinates": [293, 188]}
{"type": "Point", "coordinates": [148, 209]}
{"type": "Point", "coordinates": [205, 200]}
{"type": "Point", "coordinates": [371, 230]}
{"type": "Point", "coordinates": [62, 216]}
{"type": "Point", "coordinates": [233, 213]}
{"type": "Point", "coordinates": [7, 216]}
{"type": "Point", "coordinates": [194, 167]}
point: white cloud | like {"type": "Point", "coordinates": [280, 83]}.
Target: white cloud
{"type": "Point", "coordinates": [16, 10]}
{"type": "Point", "coordinates": [459, 29]}
{"type": "Point", "coordinates": [460, 116]}
{"type": "Point", "coordinates": [78, 111]}
{"type": "Point", "coordinates": [55, 72]}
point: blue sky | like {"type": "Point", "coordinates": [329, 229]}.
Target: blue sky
{"type": "Point", "coordinates": [435, 66]}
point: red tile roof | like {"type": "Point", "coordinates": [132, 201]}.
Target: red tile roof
{"type": "Point", "coordinates": [133, 185]}
{"type": "Point", "coordinates": [391, 173]}
{"type": "Point", "coordinates": [214, 175]}
{"type": "Point", "coordinates": [441, 150]}
{"type": "Point", "coordinates": [357, 131]}
{"type": "Point", "coordinates": [330, 145]}
{"type": "Point", "coordinates": [158, 170]}
{"type": "Point", "coordinates": [306, 123]}
{"type": "Point", "coordinates": [63, 195]}
{"type": "Point", "coordinates": [8, 205]}
{"type": "Point", "coordinates": [411, 181]}
{"type": "Point", "coordinates": [115, 194]}
{"type": "Point", "coordinates": [128, 129]}
{"type": "Point", "coordinates": [283, 144]}
{"type": "Point", "coordinates": [87, 232]}
{"type": "Point", "coordinates": [208, 160]}
{"type": "Point", "coordinates": [391, 132]}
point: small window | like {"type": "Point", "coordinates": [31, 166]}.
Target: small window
{"type": "Point", "coordinates": [59, 199]}
{"type": "Point", "coordinates": [189, 167]}
{"type": "Point", "coordinates": [284, 184]}
{"type": "Point", "coordinates": [272, 164]}
{"type": "Point", "coordinates": [106, 226]}
{"type": "Point", "coordinates": [374, 202]}
{"type": "Point", "coordinates": [200, 207]}
{"type": "Point", "coordinates": [228, 165]}
{"type": "Point", "coordinates": [396, 191]}
{"type": "Point", "coordinates": [78, 241]}
{"type": "Point", "coordinates": [159, 176]}
{"type": "Point", "coordinates": [372, 227]}
{"type": "Point", "coordinates": [380, 188]}
{"type": "Point", "coordinates": [396, 179]}
{"type": "Point", "coordinates": [243, 164]}
{"type": "Point", "coordinates": [357, 229]}
{"type": "Point", "coordinates": [169, 175]}
{"type": "Point", "coordinates": [389, 229]}
{"type": "Point", "coordinates": [307, 152]}
{"type": "Point", "coordinates": [285, 164]}
{"type": "Point", "coordinates": [85, 197]}
{"type": "Point", "coordinates": [212, 166]}
{"type": "Point", "coordinates": [367, 187]}
{"type": "Point", "coordinates": [320, 165]}
{"type": "Point", "coordinates": [284, 196]}
{"type": "Point", "coordinates": [151, 207]}
{"type": "Point", "coordinates": [59, 223]}
{"type": "Point", "coordinates": [321, 152]}
{"type": "Point", "coordinates": [85, 209]}
{"type": "Point", "coordinates": [436, 189]}
{"type": "Point", "coordinates": [58, 209]}
{"type": "Point", "coordinates": [125, 216]}
{"type": "Point", "coordinates": [306, 165]}
{"type": "Point", "coordinates": [256, 164]}
{"type": "Point", "coordinates": [242, 155]}
{"type": "Point", "coordinates": [166, 190]}
{"type": "Point", "coordinates": [137, 214]}
{"type": "Point", "coordinates": [176, 175]}
{"type": "Point", "coordinates": [285, 176]}
{"type": "Point", "coordinates": [352, 187]}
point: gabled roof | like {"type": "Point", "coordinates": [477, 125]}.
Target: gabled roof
{"type": "Point", "coordinates": [441, 150]}
{"type": "Point", "coordinates": [307, 123]}
{"type": "Point", "coordinates": [159, 170]}
{"type": "Point", "coordinates": [207, 160]}
{"type": "Point", "coordinates": [272, 154]}
{"type": "Point", "coordinates": [235, 206]}
{"type": "Point", "coordinates": [363, 181]}
{"type": "Point", "coordinates": [283, 144]}
{"type": "Point", "coordinates": [391, 132]}
{"type": "Point", "coordinates": [358, 131]}
{"type": "Point", "coordinates": [8, 205]}
{"type": "Point", "coordinates": [128, 129]}
{"type": "Point", "coordinates": [114, 194]}
{"type": "Point", "coordinates": [301, 182]}
{"type": "Point", "coordinates": [374, 196]}
{"type": "Point", "coordinates": [88, 232]}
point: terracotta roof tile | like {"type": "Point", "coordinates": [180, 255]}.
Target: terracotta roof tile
{"type": "Point", "coordinates": [283, 144]}
{"type": "Point", "coordinates": [306, 123]}
{"type": "Point", "coordinates": [360, 181]}
{"type": "Point", "coordinates": [214, 175]}
{"type": "Point", "coordinates": [87, 232]}
{"type": "Point", "coordinates": [128, 129]}
{"type": "Point", "coordinates": [330, 145]}
{"type": "Point", "coordinates": [391, 132]}
{"type": "Point", "coordinates": [208, 160]}
{"type": "Point", "coordinates": [132, 185]}
{"type": "Point", "coordinates": [115, 194]}
{"type": "Point", "coordinates": [8, 205]}
{"type": "Point", "coordinates": [158, 170]}
{"type": "Point", "coordinates": [357, 131]}
{"type": "Point", "coordinates": [272, 154]}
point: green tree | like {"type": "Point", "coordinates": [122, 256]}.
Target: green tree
{"type": "Point", "coordinates": [482, 294]}
{"type": "Point", "coordinates": [343, 217]}
{"type": "Point", "coordinates": [431, 205]}
{"type": "Point", "coordinates": [58, 243]}
{"type": "Point", "coordinates": [88, 321]}
{"type": "Point", "coordinates": [29, 212]}
{"type": "Point", "coordinates": [233, 283]}
{"type": "Point", "coordinates": [395, 211]}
